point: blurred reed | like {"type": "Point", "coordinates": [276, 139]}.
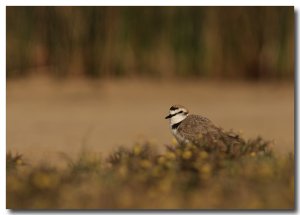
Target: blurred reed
{"type": "Point", "coordinates": [214, 42]}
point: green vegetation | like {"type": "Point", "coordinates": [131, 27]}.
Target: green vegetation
{"type": "Point", "coordinates": [216, 42]}
{"type": "Point", "coordinates": [182, 177]}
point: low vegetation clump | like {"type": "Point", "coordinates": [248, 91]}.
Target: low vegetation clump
{"type": "Point", "coordinates": [189, 176]}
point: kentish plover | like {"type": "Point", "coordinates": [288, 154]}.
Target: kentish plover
{"type": "Point", "coordinates": [192, 128]}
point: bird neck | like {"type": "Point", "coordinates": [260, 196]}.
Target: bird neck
{"type": "Point", "coordinates": [175, 126]}
{"type": "Point", "coordinates": [177, 119]}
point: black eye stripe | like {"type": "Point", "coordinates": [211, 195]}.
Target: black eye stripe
{"type": "Point", "coordinates": [171, 115]}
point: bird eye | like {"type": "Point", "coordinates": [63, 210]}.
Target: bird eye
{"type": "Point", "coordinates": [180, 111]}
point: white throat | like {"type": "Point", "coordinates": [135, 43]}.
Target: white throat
{"type": "Point", "coordinates": [177, 118]}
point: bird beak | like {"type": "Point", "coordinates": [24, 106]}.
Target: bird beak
{"type": "Point", "coordinates": [169, 116]}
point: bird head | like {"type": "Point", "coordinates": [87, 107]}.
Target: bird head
{"type": "Point", "coordinates": [177, 113]}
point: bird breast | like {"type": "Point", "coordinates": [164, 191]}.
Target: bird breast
{"type": "Point", "coordinates": [177, 135]}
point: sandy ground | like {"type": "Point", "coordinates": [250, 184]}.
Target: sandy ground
{"type": "Point", "coordinates": [45, 117]}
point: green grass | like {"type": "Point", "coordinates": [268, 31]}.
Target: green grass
{"type": "Point", "coordinates": [182, 177]}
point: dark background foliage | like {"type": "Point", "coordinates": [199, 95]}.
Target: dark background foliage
{"type": "Point", "coordinates": [240, 42]}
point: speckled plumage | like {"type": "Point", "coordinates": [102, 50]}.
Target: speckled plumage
{"type": "Point", "coordinates": [195, 128]}
{"type": "Point", "coordinates": [202, 133]}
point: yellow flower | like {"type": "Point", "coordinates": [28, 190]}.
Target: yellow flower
{"type": "Point", "coordinates": [203, 155]}
{"type": "Point", "coordinates": [19, 162]}
{"type": "Point", "coordinates": [43, 180]}
{"type": "Point", "coordinates": [174, 142]}
{"type": "Point", "coordinates": [170, 155]}
{"type": "Point", "coordinates": [206, 168]}
{"type": "Point", "coordinates": [146, 164]}
{"type": "Point", "coordinates": [187, 155]}
{"type": "Point", "coordinates": [137, 149]}
{"type": "Point", "coordinates": [161, 160]}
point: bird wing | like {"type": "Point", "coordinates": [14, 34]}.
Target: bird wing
{"type": "Point", "coordinates": [197, 126]}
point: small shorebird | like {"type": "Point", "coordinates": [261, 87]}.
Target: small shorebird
{"type": "Point", "coordinates": [192, 128]}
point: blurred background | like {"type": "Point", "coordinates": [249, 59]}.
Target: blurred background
{"type": "Point", "coordinates": [106, 76]}
{"type": "Point", "coordinates": [239, 42]}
